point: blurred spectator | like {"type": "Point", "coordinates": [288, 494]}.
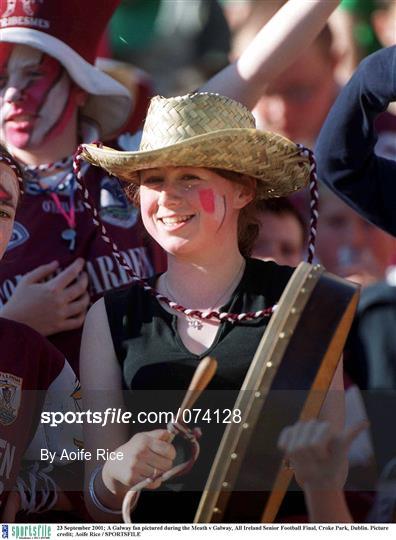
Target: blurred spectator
{"type": "Point", "coordinates": [282, 234]}
{"type": "Point", "coordinates": [297, 102]}
{"type": "Point", "coordinates": [384, 22]}
{"type": "Point", "coordinates": [350, 246]}
{"type": "Point", "coordinates": [245, 18]}
{"type": "Point", "coordinates": [354, 36]}
{"type": "Point", "coordinates": [181, 44]}
{"type": "Point", "coordinates": [139, 84]}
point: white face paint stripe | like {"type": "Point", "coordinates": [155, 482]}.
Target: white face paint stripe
{"type": "Point", "coordinates": [56, 100]}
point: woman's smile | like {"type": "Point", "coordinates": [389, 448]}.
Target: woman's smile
{"type": "Point", "coordinates": [174, 222]}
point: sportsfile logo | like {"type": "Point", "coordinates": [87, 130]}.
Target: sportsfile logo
{"type": "Point", "coordinates": [4, 531]}
{"type": "Point", "coordinates": [27, 532]}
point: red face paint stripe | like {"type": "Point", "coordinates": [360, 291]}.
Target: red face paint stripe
{"type": "Point", "coordinates": [64, 117]}
{"type": "Point", "coordinates": [53, 71]}
{"type": "Point", "coordinates": [4, 195]}
{"type": "Point", "coordinates": [206, 197]}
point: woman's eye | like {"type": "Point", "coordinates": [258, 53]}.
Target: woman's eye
{"type": "Point", "coordinates": [35, 74]}
{"type": "Point", "coordinates": [189, 182]}
{"type": "Point", "coordinates": [151, 181]}
{"type": "Point", "coordinates": [4, 215]}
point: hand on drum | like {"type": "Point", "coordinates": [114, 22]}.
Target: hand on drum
{"type": "Point", "coordinates": [318, 456]}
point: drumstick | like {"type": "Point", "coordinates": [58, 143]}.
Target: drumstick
{"type": "Point", "coordinates": [201, 378]}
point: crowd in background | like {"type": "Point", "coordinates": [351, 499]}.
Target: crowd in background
{"type": "Point", "coordinates": [171, 47]}
{"type": "Point", "coordinates": [181, 44]}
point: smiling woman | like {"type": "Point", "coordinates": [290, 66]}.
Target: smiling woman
{"type": "Point", "coordinates": [200, 166]}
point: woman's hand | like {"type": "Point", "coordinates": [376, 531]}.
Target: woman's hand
{"type": "Point", "coordinates": [318, 456]}
{"type": "Point", "coordinates": [56, 305]}
{"type": "Point", "coordinates": [144, 456]}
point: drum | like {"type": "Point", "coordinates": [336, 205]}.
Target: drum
{"type": "Point", "coordinates": [287, 381]}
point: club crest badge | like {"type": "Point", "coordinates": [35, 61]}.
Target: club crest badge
{"type": "Point", "coordinates": [18, 237]}
{"type": "Point", "coordinates": [114, 207]}
{"type": "Point", "coordinates": [10, 397]}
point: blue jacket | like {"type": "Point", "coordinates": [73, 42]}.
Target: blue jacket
{"type": "Point", "coordinates": [347, 162]}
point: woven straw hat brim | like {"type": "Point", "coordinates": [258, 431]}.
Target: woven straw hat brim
{"type": "Point", "coordinates": [274, 160]}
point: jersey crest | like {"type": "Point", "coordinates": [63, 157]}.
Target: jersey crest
{"type": "Point", "coordinates": [19, 236]}
{"type": "Point", "coordinates": [10, 397]}
{"type": "Point", "coordinates": [114, 206]}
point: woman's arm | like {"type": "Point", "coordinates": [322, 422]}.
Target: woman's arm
{"type": "Point", "coordinates": [347, 162]}
{"type": "Point", "coordinates": [101, 388]}
{"type": "Point", "coordinates": [143, 453]}
{"type": "Point", "coordinates": [276, 46]}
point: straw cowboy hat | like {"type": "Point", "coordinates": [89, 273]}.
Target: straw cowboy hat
{"type": "Point", "coordinates": [208, 130]}
{"type": "Point", "coordinates": [70, 31]}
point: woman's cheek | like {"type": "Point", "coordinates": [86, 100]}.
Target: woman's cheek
{"type": "Point", "coordinates": [5, 235]}
{"type": "Point", "coordinates": [146, 209]}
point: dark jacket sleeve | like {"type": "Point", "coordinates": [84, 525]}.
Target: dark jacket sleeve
{"type": "Point", "coordinates": [347, 162]}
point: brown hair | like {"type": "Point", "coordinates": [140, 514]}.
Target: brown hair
{"type": "Point", "coordinates": [4, 152]}
{"type": "Point", "coordinates": [248, 225]}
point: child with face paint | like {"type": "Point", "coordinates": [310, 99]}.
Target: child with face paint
{"type": "Point", "coordinates": [51, 99]}
{"type": "Point", "coordinates": [32, 375]}
{"type": "Point", "coordinates": [200, 169]}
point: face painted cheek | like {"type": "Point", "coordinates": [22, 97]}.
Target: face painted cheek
{"type": "Point", "coordinates": [4, 196]}
{"type": "Point", "coordinates": [5, 235]}
{"type": "Point", "coordinates": [52, 130]}
{"type": "Point", "coordinates": [207, 200]}
{"type": "Point", "coordinates": [39, 89]}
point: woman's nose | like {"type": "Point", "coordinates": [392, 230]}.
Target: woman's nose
{"type": "Point", "coordinates": [13, 95]}
{"type": "Point", "coordinates": [169, 196]}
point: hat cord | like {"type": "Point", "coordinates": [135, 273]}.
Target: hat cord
{"type": "Point", "coordinates": [314, 203]}
{"type": "Point", "coordinates": [203, 315]}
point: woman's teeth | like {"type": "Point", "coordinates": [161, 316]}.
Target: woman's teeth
{"type": "Point", "coordinates": [175, 219]}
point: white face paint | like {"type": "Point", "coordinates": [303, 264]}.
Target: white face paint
{"type": "Point", "coordinates": [36, 97]}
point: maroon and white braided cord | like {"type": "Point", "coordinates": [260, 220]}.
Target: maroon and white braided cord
{"type": "Point", "coordinates": [195, 313]}
{"type": "Point", "coordinates": [12, 166]}
{"type": "Point", "coordinates": [49, 167]}
{"type": "Point", "coordinates": [314, 203]}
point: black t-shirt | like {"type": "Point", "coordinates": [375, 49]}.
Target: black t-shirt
{"type": "Point", "coordinates": [157, 369]}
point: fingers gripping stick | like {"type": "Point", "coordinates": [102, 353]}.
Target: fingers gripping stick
{"type": "Point", "coordinates": [201, 378]}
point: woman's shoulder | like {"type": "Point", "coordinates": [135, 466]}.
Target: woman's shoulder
{"type": "Point", "coordinates": [119, 299]}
